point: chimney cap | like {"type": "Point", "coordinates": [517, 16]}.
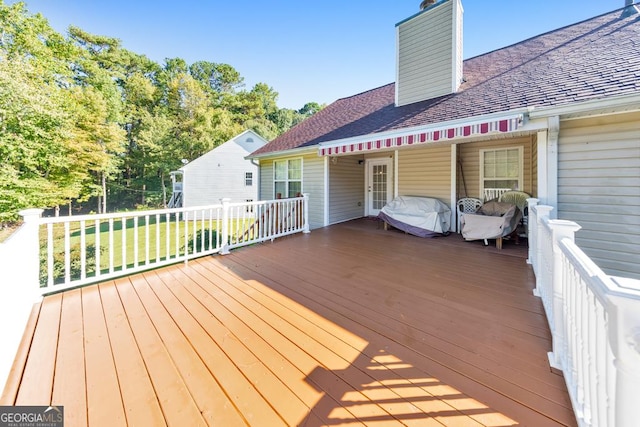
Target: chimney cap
{"type": "Point", "coordinates": [630, 9]}
{"type": "Point", "coordinates": [426, 3]}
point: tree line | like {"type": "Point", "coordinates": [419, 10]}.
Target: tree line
{"type": "Point", "coordinates": [84, 120]}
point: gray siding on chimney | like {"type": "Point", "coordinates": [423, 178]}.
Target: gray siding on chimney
{"type": "Point", "coordinates": [429, 58]}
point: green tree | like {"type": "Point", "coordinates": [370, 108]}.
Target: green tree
{"type": "Point", "coordinates": [79, 113]}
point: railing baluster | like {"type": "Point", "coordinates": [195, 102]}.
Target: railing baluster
{"type": "Point", "coordinates": [157, 237]}
{"type": "Point", "coordinates": [168, 237]}
{"type": "Point", "coordinates": [210, 229]}
{"type": "Point", "coordinates": [123, 225]}
{"type": "Point", "coordinates": [97, 242]}
{"type": "Point", "coordinates": [83, 251]}
{"type": "Point", "coordinates": [136, 239]}
{"type": "Point", "coordinates": [146, 240]}
{"type": "Point", "coordinates": [67, 254]}
{"type": "Point", "coordinates": [111, 268]}
{"type": "Point", "coordinates": [50, 255]}
{"type": "Point", "coordinates": [186, 237]}
{"type": "Point", "coordinates": [203, 230]}
{"type": "Point", "coordinates": [177, 218]}
{"type": "Point", "coordinates": [218, 229]}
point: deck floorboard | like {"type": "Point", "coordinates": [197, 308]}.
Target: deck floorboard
{"type": "Point", "coordinates": [350, 325]}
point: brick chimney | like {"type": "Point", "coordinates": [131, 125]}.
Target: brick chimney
{"type": "Point", "coordinates": [429, 52]}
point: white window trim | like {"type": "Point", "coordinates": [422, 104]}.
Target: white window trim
{"type": "Point", "coordinates": [520, 160]}
{"type": "Point", "coordinates": [275, 193]}
{"type": "Point", "coordinates": [248, 177]}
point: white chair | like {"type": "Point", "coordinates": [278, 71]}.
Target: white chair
{"type": "Point", "coordinates": [467, 205]}
{"type": "Point", "coordinates": [494, 193]}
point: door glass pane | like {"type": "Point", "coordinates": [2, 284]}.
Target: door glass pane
{"type": "Point", "coordinates": [379, 186]}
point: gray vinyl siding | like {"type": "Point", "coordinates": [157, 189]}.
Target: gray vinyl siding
{"type": "Point", "coordinates": [313, 184]}
{"type": "Point", "coordinates": [426, 57]}
{"type": "Point", "coordinates": [266, 180]}
{"type": "Point", "coordinates": [599, 188]}
{"type": "Point", "coordinates": [346, 189]}
{"type": "Point", "coordinates": [469, 169]}
{"type": "Point", "coordinates": [425, 171]}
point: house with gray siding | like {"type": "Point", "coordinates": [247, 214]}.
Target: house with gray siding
{"type": "Point", "coordinates": [556, 116]}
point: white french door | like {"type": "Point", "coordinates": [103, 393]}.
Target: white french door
{"type": "Point", "coordinates": [379, 188]}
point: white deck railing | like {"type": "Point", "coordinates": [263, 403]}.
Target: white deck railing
{"type": "Point", "coordinates": [80, 250]}
{"type": "Point", "coordinates": [594, 320]}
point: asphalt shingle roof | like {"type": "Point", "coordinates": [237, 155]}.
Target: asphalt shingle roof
{"type": "Point", "coordinates": [592, 59]}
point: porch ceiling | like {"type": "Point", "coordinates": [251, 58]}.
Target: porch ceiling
{"type": "Point", "coordinates": [348, 325]}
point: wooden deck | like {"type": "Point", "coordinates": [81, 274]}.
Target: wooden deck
{"type": "Point", "coordinates": [349, 325]}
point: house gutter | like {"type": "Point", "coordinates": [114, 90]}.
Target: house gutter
{"type": "Point", "coordinates": [284, 153]}
{"type": "Point", "coordinates": [591, 108]}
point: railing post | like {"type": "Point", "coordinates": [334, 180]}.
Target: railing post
{"type": "Point", "coordinates": [305, 229]}
{"type": "Point", "coordinates": [532, 228]}
{"type": "Point", "coordinates": [624, 332]}
{"type": "Point", "coordinates": [30, 265]}
{"type": "Point", "coordinates": [541, 212]}
{"type": "Point", "coordinates": [224, 250]}
{"type": "Point", "coordinates": [20, 285]}
{"type": "Point", "coordinates": [560, 230]}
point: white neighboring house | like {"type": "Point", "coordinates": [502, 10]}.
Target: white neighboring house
{"type": "Point", "coordinates": [221, 173]}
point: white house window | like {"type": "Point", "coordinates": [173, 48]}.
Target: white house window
{"type": "Point", "coordinates": [248, 179]}
{"type": "Point", "coordinates": [249, 207]}
{"type": "Point", "coordinates": [501, 169]}
{"type": "Point", "coordinates": [287, 177]}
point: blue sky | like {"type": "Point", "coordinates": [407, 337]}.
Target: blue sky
{"type": "Point", "coordinates": [307, 51]}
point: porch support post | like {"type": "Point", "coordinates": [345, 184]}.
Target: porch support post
{"type": "Point", "coordinates": [560, 230]}
{"type": "Point", "coordinates": [532, 233]}
{"type": "Point", "coordinates": [454, 186]}
{"type": "Point", "coordinates": [305, 203]}
{"type": "Point", "coordinates": [542, 165]}
{"type": "Point", "coordinates": [327, 181]}
{"type": "Point", "coordinates": [395, 174]}
{"type": "Point", "coordinates": [224, 250]}
{"type": "Point", "coordinates": [548, 163]}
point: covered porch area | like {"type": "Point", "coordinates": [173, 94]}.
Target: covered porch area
{"type": "Point", "coordinates": [348, 325]}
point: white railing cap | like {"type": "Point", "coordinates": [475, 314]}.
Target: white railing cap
{"type": "Point", "coordinates": [626, 283]}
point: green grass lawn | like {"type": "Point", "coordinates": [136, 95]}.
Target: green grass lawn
{"type": "Point", "coordinates": [157, 232]}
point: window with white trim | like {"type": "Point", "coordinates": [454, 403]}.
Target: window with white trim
{"type": "Point", "coordinates": [501, 169]}
{"type": "Point", "coordinates": [287, 177]}
{"type": "Point", "coordinates": [248, 179]}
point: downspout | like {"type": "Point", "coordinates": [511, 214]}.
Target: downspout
{"type": "Point", "coordinates": [258, 181]}
{"type": "Point", "coordinates": [552, 159]}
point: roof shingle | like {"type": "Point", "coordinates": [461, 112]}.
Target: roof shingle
{"type": "Point", "coordinates": [592, 59]}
